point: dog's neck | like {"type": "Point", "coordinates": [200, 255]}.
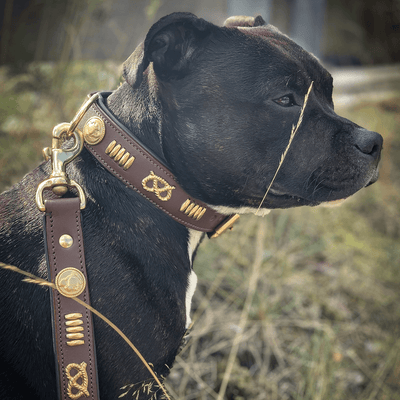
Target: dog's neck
{"type": "Point", "coordinates": [142, 118]}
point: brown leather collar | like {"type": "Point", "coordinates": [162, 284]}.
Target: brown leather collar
{"type": "Point", "coordinates": [119, 152]}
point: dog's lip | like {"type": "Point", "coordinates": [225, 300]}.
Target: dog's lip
{"type": "Point", "coordinates": [280, 196]}
{"type": "Point", "coordinates": [277, 192]}
{"type": "Point", "coordinates": [326, 204]}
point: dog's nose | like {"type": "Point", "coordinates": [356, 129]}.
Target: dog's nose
{"type": "Point", "coordinates": [368, 142]}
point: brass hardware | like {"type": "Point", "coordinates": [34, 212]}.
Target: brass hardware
{"type": "Point", "coordinates": [73, 343]}
{"type": "Point", "coordinates": [81, 112]}
{"type": "Point", "coordinates": [66, 241]}
{"type": "Point", "coordinates": [193, 210]}
{"type": "Point", "coordinates": [73, 316]}
{"type": "Point", "coordinates": [115, 150]}
{"type": "Point", "coordinates": [184, 205]}
{"type": "Point", "coordinates": [75, 335]}
{"type": "Point", "coordinates": [156, 189]}
{"type": "Point", "coordinates": [74, 329]}
{"type": "Point", "coordinates": [58, 180]}
{"type": "Point", "coordinates": [47, 153]}
{"type": "Point", "coordinates": [74, 323]}
{"type": "Point", "coordinates": [70, 282]}
{"type": "Point", "coordinates": [110, 146]}
{"type": "Point", "coordinates": [119, 155]}
{"type": "Point", "coordinates": [80, 374]}
{"type": "Point", "coordinates": [128, 163]}
{"type": "Point", "coordinates": [228, 224]}
{"type": "Point", "coordinates": [94, 131]}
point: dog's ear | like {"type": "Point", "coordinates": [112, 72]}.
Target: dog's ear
{"type": "Point", "coordinates": [169, 45]}
{"type": "Point", "coordinates": [241, 20]}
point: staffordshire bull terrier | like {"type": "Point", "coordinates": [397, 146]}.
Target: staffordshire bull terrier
{"type": "Point", "coordinates": [216, 106]}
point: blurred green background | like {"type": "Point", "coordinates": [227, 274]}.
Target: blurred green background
{"type": "Point", "coordinates": [300, 304]}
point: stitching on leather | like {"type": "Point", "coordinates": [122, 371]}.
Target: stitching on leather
{"type": "Point", "coordinates": [57, 299]}
{"type": "Point", "coordinates": [123, 136]}
{"type": "Point", "coordinates": [101, 159]}
{"type": "Point", "coordinates": [98, 111]}
{"type": "Point", "coordinates": [113, 126]}
{"type": "Point", "coordinates": [85, 294]}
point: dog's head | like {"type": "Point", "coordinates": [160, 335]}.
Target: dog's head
{"type": "Point", "coordinates": [230, 98]}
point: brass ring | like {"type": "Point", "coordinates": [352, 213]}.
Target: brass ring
{"type": "Point", "coordinates": [82, 111]}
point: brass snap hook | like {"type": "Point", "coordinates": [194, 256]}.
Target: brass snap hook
{"type": "Point", "coordinates": [60, 157]}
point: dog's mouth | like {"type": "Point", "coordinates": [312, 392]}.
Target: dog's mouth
{"type": "Point", "coordinates": [280, 199]}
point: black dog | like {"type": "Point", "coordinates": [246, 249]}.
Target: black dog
{"type": "Point", "coordinates": [216, 105]}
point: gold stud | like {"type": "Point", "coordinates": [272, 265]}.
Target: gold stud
{"type": "Point", "coordinates": [66, 241]}
{"type": "Point", "coordinates": [75, 335]}
{"type": "Point", "coordinates": [129, 163]}
{"type": "Point", "coordinates": [75, 342]}
{"type": "Point", "coordinates": [189, 208]}
{"type": "Point", "coordinates": [73, 316]}
{"type": "Point", "coordinates": [115, 150]}
{"type": "Point", "coordinates": [77, 322]}
{"type": "Point", "coordinates": [118, 156]}
{"type": "Point", "coordinates": [201, 214]}
{"type": "Point", "coordinates": [194, 209]}
{"type": "Point", "coordinates": [184, 205]}
{"type": "Point", "coordinates": [124, 159]}
{"type": "Point", "coordinates": [74, 329]}
{"type": "Point", "coordinates": [110, 147]}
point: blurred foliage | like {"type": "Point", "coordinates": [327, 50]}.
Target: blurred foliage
{"type": "Point", "coordinates": [360, 31]}
{"type": "Point", "coordinates": [324, 322]}
{"type": "Point", "coordinates": [36, 99]}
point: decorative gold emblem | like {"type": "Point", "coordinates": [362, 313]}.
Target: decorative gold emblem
{"type": "Point", "coordinates": [66, 241]}
{"type": "Point", "coordinates": [81, 374]}
{"type": "Point", "coordinates": [94, 130]}
{"type": "Point", "coordinates": [70, 282]}
{"type": "Point", "coordinates": [120, 155]}
{"type": "Point", "coordinates": [74, 329]}
{"type": "Point", "coordinates": [156, 188]}
{"type": "Point", "coordinates": [192, 209]}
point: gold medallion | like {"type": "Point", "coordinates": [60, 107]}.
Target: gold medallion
{"type": "Point", "coordinates": [94, 131]}
{"type": "Point", "coordinates": [70, 282]}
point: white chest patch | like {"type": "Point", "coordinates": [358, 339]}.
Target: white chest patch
{"type": "Point", "coordinates": [191, 287]}
{"type": "Point", "coordinates": [193, 242]}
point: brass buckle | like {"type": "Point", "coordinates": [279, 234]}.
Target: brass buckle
{"type": "Point", "coordinates": [227, 224]}
{"type": "Point", "coordinates": [58, 181]}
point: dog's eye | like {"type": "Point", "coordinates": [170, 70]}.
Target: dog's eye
{"type": "Point", "coordinates": [286, 101]}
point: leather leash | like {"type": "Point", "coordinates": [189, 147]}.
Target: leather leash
{"type": "Point", "coordinates": [116, 149]}
{"type": "Point", "coordinates": [72, 323]}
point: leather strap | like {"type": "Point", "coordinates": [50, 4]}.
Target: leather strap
{"type": "Point", "coordinates": [72, 323]}
{"type": "Point", "coordinates": [127, 159]}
